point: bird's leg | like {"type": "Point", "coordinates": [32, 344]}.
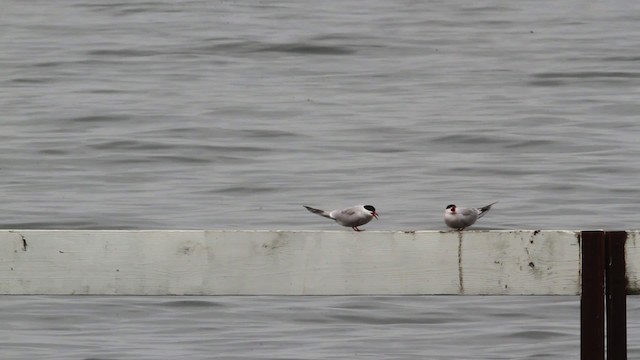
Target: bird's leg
{"type": "Point", "coordinates": [356, 229]}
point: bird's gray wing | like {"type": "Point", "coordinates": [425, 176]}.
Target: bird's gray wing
{"type": "Point", "coordinates": [351, 217]}
{"type": "Point", "coordinates": [468, 211]}
{"type": "Point", "coordinates": [348, 212]}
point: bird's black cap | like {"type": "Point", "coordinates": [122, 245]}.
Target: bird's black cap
{"type": "Point", "coordinates": [450, 206]}
{"type": "Point", "coordinates": [370, 208]}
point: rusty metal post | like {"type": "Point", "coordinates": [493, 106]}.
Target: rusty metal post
{"type": "Point", "coordinates": [616, 301]}
{"type": "Point", "coordinates": [592, 297]}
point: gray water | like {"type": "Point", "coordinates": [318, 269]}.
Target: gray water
{"type": "Point", "coordinates": [228, 115]}
{"type": "Point", "coordinates": [409, 327]}
{"type": "Point", "coordinates": [231, 115]}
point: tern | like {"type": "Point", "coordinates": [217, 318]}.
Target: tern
{"type": "Point", "coordinates": [459, 218]}
{"type": "Point", "coordinates": [350, 217]}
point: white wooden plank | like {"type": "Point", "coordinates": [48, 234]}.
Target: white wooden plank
{"type": "Point", "coordinates": [211, 262]}
{"type": "Point", "coordinates": [632, 261]}
{"type": "Point", "coordinates": [326, 263]}
{"type": "Point", "coordinates": [521, 262]}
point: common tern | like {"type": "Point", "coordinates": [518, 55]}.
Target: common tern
{"type": "Point", "coordinates": [351, 217]}
{"type": "Point", "coordinates": [459, 218]}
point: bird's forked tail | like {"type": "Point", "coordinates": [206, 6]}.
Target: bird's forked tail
{"type": "Point", "coordinates": [317, 211]}
{"type": "Point", "coordinates": [485, 209]}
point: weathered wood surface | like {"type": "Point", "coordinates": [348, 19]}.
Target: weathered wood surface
{"type": "Point", "coordinates": [632, 255]}
{"type": "Point", "coordinates": [207, 262]}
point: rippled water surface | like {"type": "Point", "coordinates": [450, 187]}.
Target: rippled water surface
{"type": "Point", "coordinates": [203, 114]}
{"type": "Point", "coordinates": [231, 115]}
{"type": "Point", "coordinates": [409, 327]}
